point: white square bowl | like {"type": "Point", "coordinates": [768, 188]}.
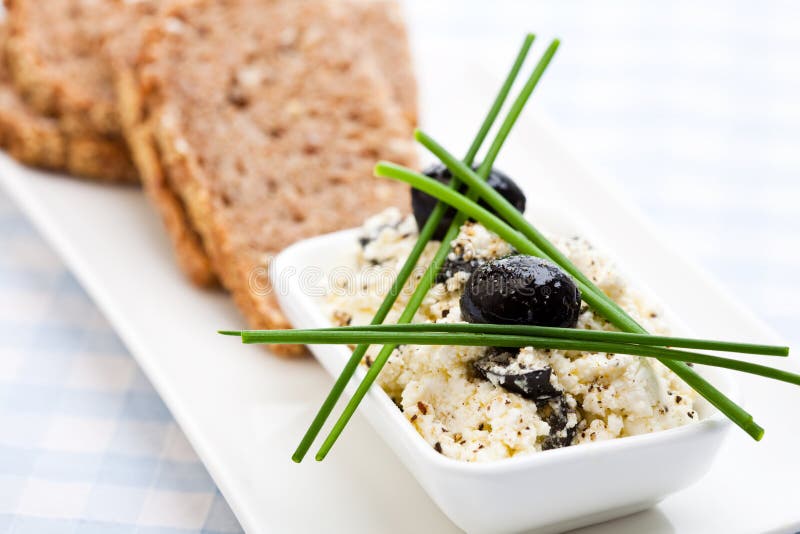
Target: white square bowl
{"type": "Point", "coordinates": [550, 491]}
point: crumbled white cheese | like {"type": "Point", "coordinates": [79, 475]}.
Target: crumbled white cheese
{"type": "Point", "coordinates": [604, 396]}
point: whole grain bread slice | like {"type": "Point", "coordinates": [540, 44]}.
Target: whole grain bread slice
{"type": "Point", "coordinates": [380, 22]}
{"type": "Point", "coordinates": [267, 138]}
{"type": "Point", "coordinates": [39, 141]}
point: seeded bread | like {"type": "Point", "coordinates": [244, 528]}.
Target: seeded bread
{"type": "Point", "coordinates": [265, 139]}
{"type": "Point", "coordinates": [379, 21]}
{"type": "Point", "coordinates": [39, 141]}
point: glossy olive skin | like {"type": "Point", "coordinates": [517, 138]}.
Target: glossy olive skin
{"type": "Point", "coordinates": [533, 384]}
{"type": "Point", "coordinates": [522, 290]}
{"type": "Point", "coordinates": [423, 204]}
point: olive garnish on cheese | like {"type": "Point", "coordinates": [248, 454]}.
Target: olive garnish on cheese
{"type": "Point", "coordinates": [423, 203]}
{"type": "Point", "coordinates": [501, 369]}
{"type": "Point", "coordinates": [458, 264]}
{"type": "Point", "coordinates": [523, 290]}
{"type": "Point", "coordinates": [556, 412]}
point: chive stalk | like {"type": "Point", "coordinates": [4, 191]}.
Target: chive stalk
{"type": "Point", "coordinates": [510, 214]}
{"type": "Point", "coordinates": [341, 336]}
{"type": "Point", "coordinates": [259, 336]}
{"type": "Point", "coordinates": [595, 298]}
{"type": "Point", "coordinates": [425, 235]}
{"type": "Point", "coordinates": [441, 254]}
{"type": "Point", "coordinates": [608, 308]}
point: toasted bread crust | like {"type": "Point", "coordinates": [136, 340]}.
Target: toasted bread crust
{"type": "Point", "coordinates": [237, 205]}
{"type": "Point", "coordinates": [40, 142]}
{"type": "Point", "coordinates": [188, 247]}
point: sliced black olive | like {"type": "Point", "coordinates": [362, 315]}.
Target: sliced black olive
{"type": "Point", "coordinates": [499, 368]}
{"type": "Point", "coordinates": [555, 412]}
{"type": "Point", "coordinates": [521, 289]}
{"type": "Point", "coordinates": [367, 238]}
{"type": "Point", "coordinates": [423, 204]}
{"type": "Point", "coordinates": [452, 266]}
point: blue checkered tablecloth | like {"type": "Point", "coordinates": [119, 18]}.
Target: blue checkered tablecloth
{"type": "Point", "coordinates": [86, 445]}
{"type": "Point", "coordinates": [693, 108]}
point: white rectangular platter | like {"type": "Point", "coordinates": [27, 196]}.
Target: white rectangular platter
{"type": "Point", "coordinates": [244, 410]}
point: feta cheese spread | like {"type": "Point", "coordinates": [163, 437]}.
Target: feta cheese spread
{"type": "Point", "coordinates": [598, 396]}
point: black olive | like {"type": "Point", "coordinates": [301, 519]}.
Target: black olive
{"type": "Point", "coordinates": [423, 204]}
{"type": "Point", "coordinates": [366, 239]}
{"type": "Point", "coordinates": [452, 266]}
{"type": "Point", "coordinates": [521, 290]}
{"type": "Point", "coordinates": [533, 384]}
{"type": "Point", "coordinates": [555, 412]}
{"type": "Point", "coordinates": [497, 367]}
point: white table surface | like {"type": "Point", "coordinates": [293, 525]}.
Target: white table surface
{"type": "Point", "coordinates": [693, 109]}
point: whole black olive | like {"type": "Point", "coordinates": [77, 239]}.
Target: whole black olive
{"type": "Point", "coordinates": [423, 204]}
{"type": "Point", "coordinates": [498, 368]}
{"type": "Point", "coordinates": [521, 289]}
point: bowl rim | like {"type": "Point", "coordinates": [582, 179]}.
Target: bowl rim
{"type": "Point", "coordinates": [295, 300]}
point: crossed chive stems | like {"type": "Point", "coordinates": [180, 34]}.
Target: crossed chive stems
{"type": "Point", "coordinates": [511, 226]}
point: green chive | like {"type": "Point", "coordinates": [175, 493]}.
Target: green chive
{"type": "Point", "coordinates": [430, 274]}
{"type": "Point", "coordinates": [229, 332]}
{"type": "Point", "coordinates": [256, 336]}
{"type": "Point", "coordinates": [342, 336]}
{"type": "Point", "coordinates": [425, 235]}
{"type": "Point", "coordinates": [595, 298]}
